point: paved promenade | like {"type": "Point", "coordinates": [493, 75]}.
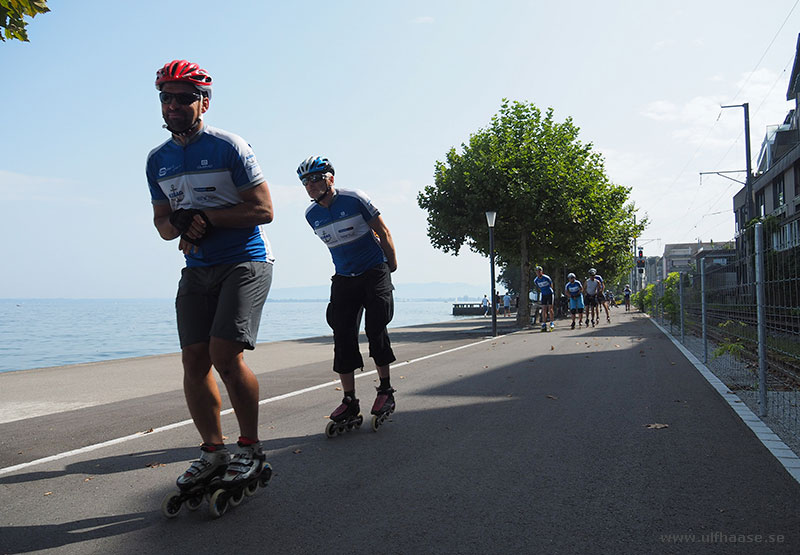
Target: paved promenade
{"type": "Point", "coordinates": [606, 440]}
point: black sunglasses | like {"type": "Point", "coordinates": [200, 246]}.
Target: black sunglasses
{"type": "Point", "coordinates": [313, 178]}
{"type": "Point", "coordinates": [184, 99]}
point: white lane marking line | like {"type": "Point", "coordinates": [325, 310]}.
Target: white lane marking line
{"type": "Point", "coordinates": [138, 435]}
{"type": "Point", "coordinates": [763, 433]}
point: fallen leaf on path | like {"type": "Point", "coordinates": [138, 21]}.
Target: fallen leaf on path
{"type": "Point", "coordinates": [656, 426]}
{"type": "Point", "coordinates": [87, 479]}
{"type": "Point", "coordinates": [338, 388]}
{"type": "Point", "coordinates": [553, 397]}
{"type": "Point", "coordinates": [150, 431]}
{"type": "Point", "coordinates": [552, 348]}
{"type": "Point", "coordinates": [297, 451]}
{"type": "Point", "coordinates": [402, 377]}
{"type": "Point", "coordinates": [48, 493]}
{"type": "Point", "coordinates": [615, 345]}
{"type": "Point", "coordinates": [486, 367]}
{"type": "Point", "coordinates": [155, 465]}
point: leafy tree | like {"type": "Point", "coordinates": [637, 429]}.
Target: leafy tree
{"type": "Point", "coordinates": [12, 14]}
{"type": "Point", "coordinates": [555, 206]}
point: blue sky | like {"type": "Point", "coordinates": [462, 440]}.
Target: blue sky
{"type": "Point", "coordinates": [383, 90]}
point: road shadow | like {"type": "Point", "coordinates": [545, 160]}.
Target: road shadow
{"type": "Point", "coordinates": [25, 539]}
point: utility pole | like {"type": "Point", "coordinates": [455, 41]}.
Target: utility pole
{"type": "Point", "coordinates": [748, 181]}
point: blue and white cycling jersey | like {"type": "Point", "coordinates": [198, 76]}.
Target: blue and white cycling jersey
{"type": "Point", "coordinates": [344, 229]}
{"type": "Point", "coordinates": [544, 283]}
{"type": "Point", "coordinates": [573, 288]}
{"type": "Point", "coordinates": [208, 173]}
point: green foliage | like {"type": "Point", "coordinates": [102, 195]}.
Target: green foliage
{"type": "Point", "coordinates": [554, 203]}
{"type": "Point", "coordinates": [671, 299]}
{"type": "Point", "coordinates": [643, 299]}
{"type": "Point", "coordinates": [736, 349]}
{"type": "Point", "coordinates": [12, 17]}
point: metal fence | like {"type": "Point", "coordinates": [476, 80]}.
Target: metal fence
{"type": "Point", "coordinates": [741, 316]}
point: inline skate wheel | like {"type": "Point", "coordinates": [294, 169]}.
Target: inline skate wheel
{"type": "Point", "coordinates": [236, 498]}
{"type": "Point", "coordinates": [266, 474]}
{"type": "Point", "coordinates": [171, 505]}
{"type": "Point", "coordinates": [251, 488]}
{"type": "Point", "coordinates": [330, 429]}
{"type": "Point", "coordinates": [193, 503]}
{"type": "Point", "coordinates": [218, 503]}
{"type": "Point", "coordinates": [376, 423]}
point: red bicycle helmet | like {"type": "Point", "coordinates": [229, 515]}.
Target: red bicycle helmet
{"type": "Point", "coordinates": [187, 72]}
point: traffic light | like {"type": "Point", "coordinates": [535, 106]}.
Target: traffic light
{"type": "Point", "coordinates": [640, 261]}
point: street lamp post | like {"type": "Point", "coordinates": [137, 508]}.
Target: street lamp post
{"type": "Point", "coordinates": [490, 217]}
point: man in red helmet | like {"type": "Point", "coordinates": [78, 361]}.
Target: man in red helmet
{"type": "Point", "coordinates": [208, 190]}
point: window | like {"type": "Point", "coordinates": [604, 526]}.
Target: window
{"type": "Point", "coordinates": [797, 179]}
{"type": "Point", "coordinates": [778, 193]}
{"type": "Point", "coordinates": [760, 208]}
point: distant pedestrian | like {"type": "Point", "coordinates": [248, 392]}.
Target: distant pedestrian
{"type": "Point", "coordinates": [485, 305]}
{"type": "Point", "coordinates": [545, 285]}
{"type": "Point", "coordinates": [506, 305]}
{"type": "Point", "coordinates": [626, 293]}
{"type": "Point", "coordinates": [574, 292]}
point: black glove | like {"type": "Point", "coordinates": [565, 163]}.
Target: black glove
{"type": "Point", "coordinates": [182, 218]}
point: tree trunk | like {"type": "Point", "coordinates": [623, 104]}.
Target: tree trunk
{"type": "Point", "coordinates": [524, 309]}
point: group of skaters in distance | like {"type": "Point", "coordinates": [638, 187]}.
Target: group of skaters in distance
{"type": "Point", "coordinates": [591, 296]}
{"type": "Point", "coordinates": [207, 190]}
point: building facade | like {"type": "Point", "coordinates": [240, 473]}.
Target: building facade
{"type": "Point", "coordinates": [775, 187]}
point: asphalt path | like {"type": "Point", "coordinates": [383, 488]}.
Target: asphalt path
{"type": "Point", "coordinates": [526, 443]}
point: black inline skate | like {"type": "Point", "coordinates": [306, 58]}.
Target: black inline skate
{"type": "Point", "coordinates": [247, 471]}
{"type": "Point", "coordinates": [202, 477]}
{"type": "Point", "coordinates": [345, 418]}
{"type": "Point", "coordinates": [383, 406]}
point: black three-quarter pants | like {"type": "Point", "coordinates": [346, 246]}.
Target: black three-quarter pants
{"type": "Point", "coordinates": [371, 291]}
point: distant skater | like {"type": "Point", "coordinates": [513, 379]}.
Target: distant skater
{"type": "Point", "coordinates": [228, 270]}
{"type": "Point", "coordinates": [592, 289]}
{"type": "Point", "coordinates": [545, 285]}
{"type": "Point", "coordinates": [574, 292]}
{"type": "Point", "coordinates": [602, 298]}
{"type": "Point", "coordinates": [626, 293]}
{"type": "Point", "coordinates": [364, 257]}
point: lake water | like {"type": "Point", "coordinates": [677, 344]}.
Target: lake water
{"type": "Point", "coordinates": [37, 333]}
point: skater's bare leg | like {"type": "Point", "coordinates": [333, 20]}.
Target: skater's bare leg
{"type": "Point", "coordinates": [348, 381]}
{"type": "Point", "coordinates": [242, 385]}
{"type": "Point", "coordinates": [202, 393]}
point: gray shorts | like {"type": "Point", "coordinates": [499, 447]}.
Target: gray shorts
{"type": "Point", "coordinates": [222, 301]}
